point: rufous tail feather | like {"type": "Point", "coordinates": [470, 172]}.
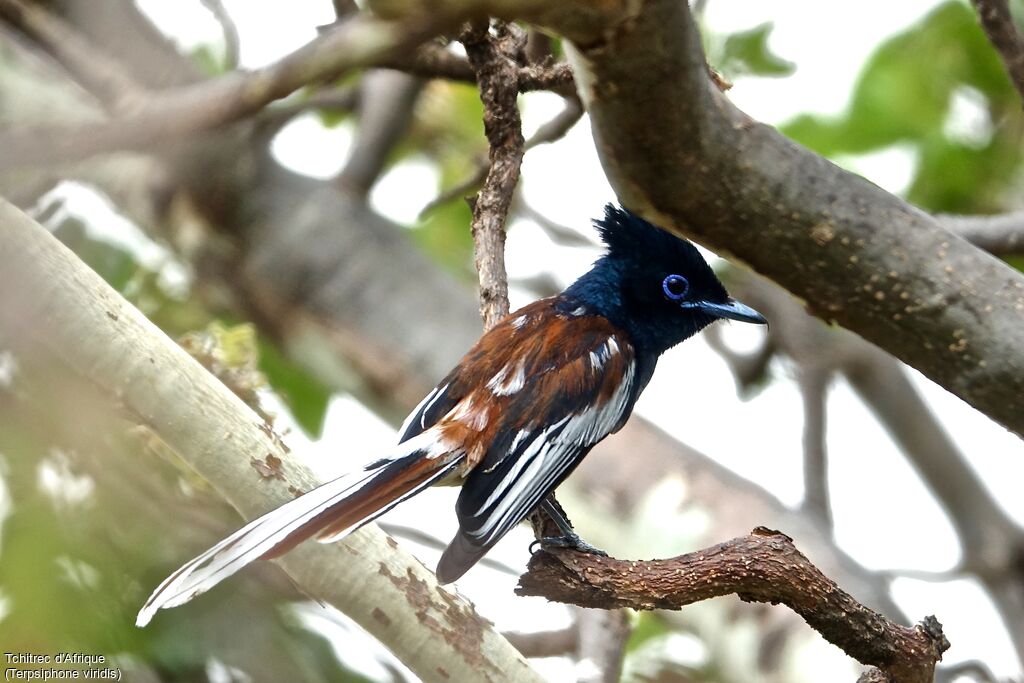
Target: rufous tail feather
{"type": "Point", "coordinates": [329, 512]}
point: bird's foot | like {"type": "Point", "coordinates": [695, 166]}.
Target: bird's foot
{"type": "Point", "coordinates": [571, 541]}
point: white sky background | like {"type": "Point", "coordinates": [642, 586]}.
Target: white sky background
{"type": "Point", "coordinates": [692, 395]}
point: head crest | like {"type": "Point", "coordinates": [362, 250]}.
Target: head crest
{"type": "Point", "coordinates": [645, 247]}
{"type": "Point", "coordinates": [627, 235]}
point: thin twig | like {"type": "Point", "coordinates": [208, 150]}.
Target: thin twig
{"type": "Point", "coordinates": [492, 57]}
{"type": "Point", "coordinates": [342, 99]}
{"type": "Point", "coordinates": [748, 369]}
{"type": "Point", "coordinates": [560, 234]}
{"type": "Point", "coordinates": [550, 131]}
{"type": "Point", "coordinates": [813, 381]}
{"type": "Point", "coordinates": [559, 125]}
{"type": "Point", "coordinates": [764, 566]}
{"type": "Point", "coordinates": [544, 643]}
{"type": "Point", "coordinates": [232, 44]}
{"type": "Point", "coordinates": [459, 190]}
{"type": "Point", "coordinates": [996, 20]}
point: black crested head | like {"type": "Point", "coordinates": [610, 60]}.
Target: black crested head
{"type": "Point", "coordinates": [646, 248]}
{"type": "Point", "coordinates": [655, 285]}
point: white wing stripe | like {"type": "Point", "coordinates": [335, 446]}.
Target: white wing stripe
{"type": "Point", "coordinates": [423, 408]}
{"type": "Point", "coordinates": [528, 455]}
{"type": "Point", "coordinates": [545, 459]}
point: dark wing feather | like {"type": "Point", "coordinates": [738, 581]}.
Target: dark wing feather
{"type": "Point", "coordinates": [580, 384]}
{"type": "Point", "coordinates": [432, 408]}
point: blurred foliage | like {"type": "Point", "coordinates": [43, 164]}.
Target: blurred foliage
{"type": "Point", "coordinates": [448, 128]}
{"type": "Point", "coordinates": [306, 396]}
{"type": "Point", "coordinates": [746, 53]}
{"type": "Point", "coordinates": [939, 90]}
{"type": "Point", "coordinates": [116, 265]}
{"type": "Point", "coordinates": [210, 60]}
{"type": "Point", "coordinates": [646, 627]}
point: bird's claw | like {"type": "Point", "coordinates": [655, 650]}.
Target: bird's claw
{"type": "Point", "coordinates": [571, 541]}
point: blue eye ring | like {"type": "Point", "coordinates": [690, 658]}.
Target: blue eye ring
{"type": "Point", "coordinates": [676, 287]}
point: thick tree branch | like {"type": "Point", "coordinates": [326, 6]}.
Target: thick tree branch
{"type": "Point", "coordinates": [996, 20]}
{"type": "Point", "coordinates": [53, 300]}
{"type": "Point", "coordinates": [857, 254]}
{"type": "Point", "coordinates": [764, 566]}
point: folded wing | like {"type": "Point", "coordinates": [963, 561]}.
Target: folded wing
{"type": "Point", "coordinates": [567, 381]}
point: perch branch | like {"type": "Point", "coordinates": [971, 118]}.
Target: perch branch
{"type": "Point", "coordinates": [764, 566]}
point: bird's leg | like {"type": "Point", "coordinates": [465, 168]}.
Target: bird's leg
{"type": "Point", "coordinates": [569, 538]}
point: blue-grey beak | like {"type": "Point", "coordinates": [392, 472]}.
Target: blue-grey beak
{"type": "Point", "coordinates": [733, 310]}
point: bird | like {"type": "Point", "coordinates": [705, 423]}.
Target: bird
{"type": "Point", "coordinates": [515, 416]}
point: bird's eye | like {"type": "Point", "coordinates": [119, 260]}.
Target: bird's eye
{"type": "Point", "coordinates": [675, 287]}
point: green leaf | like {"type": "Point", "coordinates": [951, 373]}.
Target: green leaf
{"type": "Point", "coordinates": [306, 396]}
{"type": "Point", "coordinates": [747, 52]}
{"type": "Point", "coordinates": [444, 235]}
{"type": "Point", "coordinates": [906, 95]}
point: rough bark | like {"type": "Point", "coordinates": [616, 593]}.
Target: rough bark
{"type": "Point", "coordinates": [493, 61]}
{"type": "Point", "coordinates": [764, 566]}
{"type": "Point", "coordinates": [676, 150]}
{"type": "Point", "coordinates": [856, 254]}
